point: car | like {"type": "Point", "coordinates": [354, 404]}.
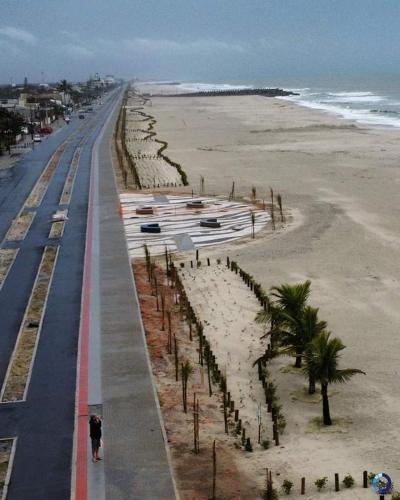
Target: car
{"type": "Point", "coordinates": [37, 138]}
{"type": "Point", "coordinates": [81, 117]}
{"type": "Point", "coordinates": [46, 130]}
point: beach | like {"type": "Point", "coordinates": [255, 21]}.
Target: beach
{"type": "Point", "coordinates": [340, 182]}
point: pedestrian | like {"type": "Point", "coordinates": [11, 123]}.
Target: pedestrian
{"type": "Point", "coordinates": [95, 436]}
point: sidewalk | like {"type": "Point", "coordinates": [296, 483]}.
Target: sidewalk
{"type": "Point", "coordinates": [136, 463]}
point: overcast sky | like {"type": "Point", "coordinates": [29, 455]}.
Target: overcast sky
{"type": "Point", "coordinates": [202, 40]}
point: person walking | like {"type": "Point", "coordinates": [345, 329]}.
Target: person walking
{"type": "Point", "coordinates": [95, 436]}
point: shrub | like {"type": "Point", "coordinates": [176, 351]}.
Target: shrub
{"type": "Point", "coordinates": [287, 486]}
{"type": "Point", "coordinates": [248, 446]}
{"type": "Point", "coordinates": [218, 261]}
{"type": "Point", "coordinates": [281, 423]}
{"type": "Point", "coordinates": [238, 430]}
{"type": "Point", "coordinates": [266, 443]}
{"type": "Point", "coordinates": [348, 481]}
{"type": "Point", "coordinates": [395, 495]}
{"type": "Point", "coordinates": [272, 496]}
{"type": "Point", "coordinates": [321, 483]}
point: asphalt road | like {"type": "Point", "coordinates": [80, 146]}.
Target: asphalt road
{"type": "Point", "coordinates": [44, 423]}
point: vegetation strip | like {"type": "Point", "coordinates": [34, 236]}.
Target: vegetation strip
{"type": "Point", "coordinates": [20, 226]}
{"type": "Point", "coordinates": [69, 182]}
{"type": "Point", "coordinates": [7, 257]}
{"type": "Point", "coordinates": [7, 450]}
{"type": "Point", "coordinates": [19, 369]}
{"type": "Point", "coordinates": [57, 229]}
{"type": "Point", "coordinates": [40, 188]}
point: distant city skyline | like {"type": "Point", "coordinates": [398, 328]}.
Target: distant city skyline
{"type": "Point", "coordinates": [192, 40]}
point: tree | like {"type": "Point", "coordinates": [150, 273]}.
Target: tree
{"type": "Point", "coordinates": [322, 361]}
{"type": "Point", "coordinates": [66, 88]}
{"type": "Point", "coordinates": [300, 333]}
{"type": "Point", "coordinates": [291, 301]}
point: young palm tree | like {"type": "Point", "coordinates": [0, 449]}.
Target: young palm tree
{"type": "Point", "coordinates": [322, 361]}
{"type": "Point", "coordinates": [291, 301]}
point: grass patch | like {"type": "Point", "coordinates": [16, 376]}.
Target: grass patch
{"type": "Point", "coordinates": [339, 425]}
{"type": "Point", "coordinates": [7, 257]}
{"type": "Point", "coordinates": [20, 226]}
{"type": "Point", "coordinates": [57, 229]}
{"type": "Point", "coordinates": [69, 182]}
{"type": "Point", "coordinates": [20, 364]}
{"type": "Point", "coordinates": [40, 188]}
{"type": "Point", "coordinates": [5, 455]}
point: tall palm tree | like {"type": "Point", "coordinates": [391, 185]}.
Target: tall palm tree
{"type": "Point", "coordinates": [322, 361]}
{"type": "Point", "coordinates": [291, 301]}
{"type": "Point", "coordinates": [299, 334]}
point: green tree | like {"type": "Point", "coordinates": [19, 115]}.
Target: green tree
{"type": "Point", "coordinates": [322, 361]}
{"type": "Point", "coordinates": [291, 301]}
{"type": "Point", "coordinates": [300, 334]}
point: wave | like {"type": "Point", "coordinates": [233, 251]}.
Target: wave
{"type": "Point", "coordinates": [364, 116]}
{"type": "Point", "coordinates": [209, 87]}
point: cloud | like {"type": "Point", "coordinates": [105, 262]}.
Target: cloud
{"type": "Point", "coordinates": [199, 46]}
{"type": "Point", "coordinates": [77, 51]}
{"type": "Point", "coordinates": [18, 34]}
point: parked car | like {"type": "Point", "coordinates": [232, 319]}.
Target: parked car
{"type": "Point", "coordinates": [46, 130]}
{"type": "Point", "coordinates": [81, 117]}
{"type": "Point", "coordinates": [37, 138]}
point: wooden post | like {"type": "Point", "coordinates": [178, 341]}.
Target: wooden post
{"type": "Point", "coordinates": [191, 264]}
{"type": "Point", "coordinates": [176, 359]}
{"type": "Point", "coordinates": [336, 481]}
{"type": "Point", "coordinates": [227, 262]}
{"type": "Point", "coordinates": [303, 485]}
{"type": "Point", "coordinates": [232, 408]}
{"type": "Point", "coordinates": [197, 255]}
{"type": "Point", "coordinates": [169, 343]}
{"type": "Point", "coordinates": [243, 436]}
{"type": "Point", "coordinates": [365, 479]}
{"type": "Point", "coordinates": [239, 426]}
{"type": "Point", "coordinates": [214, 471]}
{"type": "Point", "coordinates": [228, 401]}
{"type": "Point", "coordinates": [236, 415]}
{"type": "Point", "coordinates": [208, 261]}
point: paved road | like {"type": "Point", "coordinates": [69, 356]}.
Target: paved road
{"type": "Point", "coordinates": [44, 423]}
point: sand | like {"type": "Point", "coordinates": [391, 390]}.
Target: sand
{"type": "Point", "coordinates": [341, 183]}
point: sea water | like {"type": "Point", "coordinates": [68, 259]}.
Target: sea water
{"type": "Point", "coordinates": [370, 101]}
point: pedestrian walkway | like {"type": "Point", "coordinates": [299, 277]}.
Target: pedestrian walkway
{"type": "Point", "coordinates": [136, 463]}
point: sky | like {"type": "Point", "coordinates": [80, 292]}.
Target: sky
{"type": "Point", "coordinates": [198, 40]}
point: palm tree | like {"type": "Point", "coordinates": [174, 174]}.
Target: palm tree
{"type": "Point", "coordinates": [322, 361]}
{"type": "Point", "coordinates": [299, 335]}
{"type": "Point", "coordinates": [291, 301]}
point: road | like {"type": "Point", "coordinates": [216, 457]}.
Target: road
{"type": "Point", "coordinates": [44, 422]}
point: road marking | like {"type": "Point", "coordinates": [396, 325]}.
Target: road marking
{"type": "Point", "coordinates": [22, 360]}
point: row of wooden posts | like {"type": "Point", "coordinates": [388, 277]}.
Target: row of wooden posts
{"type": "Point", "coordinates": [269, 388]}
{"type": "Point", "coordinates": [206, 355]}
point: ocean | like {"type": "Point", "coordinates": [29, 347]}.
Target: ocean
{"type": "Point", "coordinates": [374, 102]}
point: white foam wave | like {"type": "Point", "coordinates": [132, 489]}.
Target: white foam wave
{"type": "Point", "coordinates": [210, 87]}
{"type": "Point", "coordinates": [363, 116]}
